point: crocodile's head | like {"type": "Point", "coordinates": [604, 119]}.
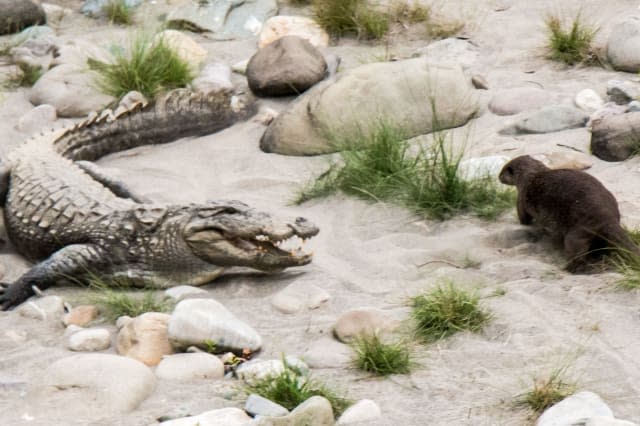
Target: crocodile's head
{"type": "Point", "coordinates": [233, 234]}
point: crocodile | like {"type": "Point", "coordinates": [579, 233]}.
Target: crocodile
{"type": "Point", "coordinates": [62, 212]}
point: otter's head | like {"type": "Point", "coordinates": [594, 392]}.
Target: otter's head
{"type": "Point", "coordinates": [519, 168]}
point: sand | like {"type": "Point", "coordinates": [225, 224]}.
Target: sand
{"type": "Point", "coordinates": [368, 254]}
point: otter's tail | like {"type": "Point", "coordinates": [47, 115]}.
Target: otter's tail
{"type": "Point", "coordinates": [617, 237]}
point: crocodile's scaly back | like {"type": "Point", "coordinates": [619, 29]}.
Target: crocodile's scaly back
{"type": "Point", "coordinates": [180, 113]}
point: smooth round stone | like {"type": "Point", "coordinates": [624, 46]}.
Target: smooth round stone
{"type": "Point", "coordinates": [255, 370]}
{"type": "Point", "coordinates": [573, 409]}
{"type": "Point", "coordinates": [90, 340]}
{"type": "Point", "coordinates": [80, 315]}
{"type": "Point", "coordinates": [259, 406]}
{"type": "Point", "coordinates": [588, 100]}
{"type": "Point", "coordinates": [145, 337]}
{"type": "Point", "coordinates": [222, 417]}
{"type": "Point", "coordinates": [190, 366]}
{"type": "Point", "coordinates": [364, 410]}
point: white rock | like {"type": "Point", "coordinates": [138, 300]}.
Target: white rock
{"type": "Point", "coordinates": [190, 366]}
{"type": "Point", "coordinates": [623, 46]}
{"type": "Point", "coordinates": [481, 167]}
{"type": "Point", "coordinates": [301, 26]}
{"type": "Point", "coordinates": [43, 308]}
{"type": "Point", "coordinates": [607, 421]}
{"type": "Point", "coordinates": [222, 417]}
{"type": "Point", "coordinates": [186, 47]}
{"type": "Point", "coordinates": [328, 353]}
{"type": "Point", "coordinates": [574, 408]}
{"type": "Point", "coordinates": [588, 100]}
{"type": "Point", "coordinates": [255, 370]}
{"type": "Point", "coordinates": [299, 295]}
{"type": "Point", "coordinates": [104, 383]}
{"type": "Point", "coordinates": [259, 406]}
{"type": "Point", "coordinates": [196, 321]}
{"type": "Point", "coordinates": [315, 411]}
{"type": "Point", "coordinates": [364, 410]}
{"type": "Point", "coordinates": [214, 77]}
{"type": "Point", "coordinates": [182, 292]}
{"type": "Point", "coordinates": [96, 339]}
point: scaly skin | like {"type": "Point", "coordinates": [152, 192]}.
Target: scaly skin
{"type": "Point", "coordinates": [76, 228]}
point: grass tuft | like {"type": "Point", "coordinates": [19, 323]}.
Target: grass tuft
{"type": "Point", "coordinates": [446, 310]}
{"type": "Point", "coordinates": [383, 359]}
{"type": "Point", "coordinates": [292, 387]}
{"type": "Point", "coordinates": [117, 12]}
{"type": "Point", "coordinates": [24, 76]}
{"type": "Point", "coordinates": [572, 45]}
{"type": "Point", "coordinates": [114, 302]}
{"type": "Point", "coordinates": [626, 263]}
{"type": "Point", "coordinates": [343, 17]}
{"type": "Point", "coordinates": [547, 391]}
{"type": "Point", "coordinates": [381, 166]}
{"type": "Point", "coordinates": [149, 67]}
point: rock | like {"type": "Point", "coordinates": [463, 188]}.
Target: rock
{"type": "Point", "coordinates": [299, 295]}
{"type": "Point", "coordinates": [145, 338]}
{"type": "Point", "coordinates": [574, 408]}
{"type": "Point", "coordinates": [18, 14]}
{"type": "Point", "coordinates": [214, 77]}
{"type": "Point", "coordinates": [608, 109]}
{"type": "Point", "coordinates": [71, 90]}
{"type": "Point", "coordinates": [405, 99]}
{"type": "Point", "coordinates": [190, 366]}
{"type": "Point", "coordinates": [622, 92]}
{"type": "Point", "coordinates": [259, 406]}
{"type": "Point", "coordinates": [314, 411]}
{"type": "Point", "coordinates": [90, 340]}
{"type": "Point", "coordinates": [328, 353]}
{"type": "Point", "coordinates": [588, 100]}
{"type": "Point", "coordinates": [226, 19]}
{"type": "Point", "coordinates": [634, 106]}
{"type": "Point", "coordinates": [104, 383]}
{"type": "Point", "coordinates": [37, 119]}
{"type": "Point", "coordinates": [240, 67]}
{"type": "Point", "coordinates": [451, 50]}
{"type": "Point", "coordinates": [333, 62]}
{"type": "Point", "coordinates": [607, 421]}
{"type": "Point", "coordinates": [565, 160]}
{"type": "Point", "coordinates": [55, 13]}
{"type": "Point", "coordinates": [182, 292]}
{"type": "Point", "coordinates": [35, 52]}
{"type": "Point", "coordinates": [357, 322]}
{"type": "Point", "coordinates": [288, 66]}
{"type": "Point", "coordinates": [222, 417]}
{"type": "Point", "coordinates": [255, 370]}
{"type": "Point", "coordinates": [80, 315]}
{"type": "Point", "coordinates": [364, 410]}
{"type": "Point", "coordinates": [300, 26]}
{"type": "Point", "coordinates": [479, 82]}
{"type": "Point", "coordinates": [481, 167]}
{"type": "Point", "coordinates": [197, 321]}
{"type": "Point", "coordinates": [185, 47]}
{"type": "Point", "coordinates": [614, 137]}
{"type": "Point", "coordinates": [547, 119]}
{"type": "Point", "coordinates": [43, 308]}
{"type": "Point", "coordinates": [95, 8]}
{"type": "Point", "coordinates": [514, 101]}
{"type": "Point", "coordinates": [623, 46]}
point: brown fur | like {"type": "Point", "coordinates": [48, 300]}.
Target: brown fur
{"type": "Point", "coordinates": [570, 203]}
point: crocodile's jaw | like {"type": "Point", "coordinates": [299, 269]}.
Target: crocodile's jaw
{"type": "Point", "coordinates": [236, 235]}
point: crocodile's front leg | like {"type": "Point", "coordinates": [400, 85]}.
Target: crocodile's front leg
{"type": "Point", "coordinates": [67, 263]}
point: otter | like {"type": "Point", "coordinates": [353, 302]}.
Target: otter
{"type": "Point", "coordinates": [570, 204]}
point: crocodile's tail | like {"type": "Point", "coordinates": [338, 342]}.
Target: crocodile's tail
{"type": "Point", "coordinates": [181, 113]}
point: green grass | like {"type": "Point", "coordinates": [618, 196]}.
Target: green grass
{"type": "Point", "coordinates": [148, 67]}
{"type": "Point", "coordinates": [292, 387]}
{"type": "Point", "coordinates": [547, 391]}
{"type": "Point", "coordinates": [570, 45]}
{"type": "Point", "coordinates": [117, 12]}
{"type": "Point", "coordinates": [114, 301]}
{"type": "Point", "coordinates": [24, 76]}
{"type": "Point", "coordinates": [381, 166]}
{"type": "Point", "coordinates": [375, 356]}
{"type": "Point", "coordinates": [357, 17]}
{"type": "Point", "coordinates": [446, 310]}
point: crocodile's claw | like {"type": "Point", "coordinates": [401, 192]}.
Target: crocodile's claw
{"type": "Point", "coordinates": [11, 295]}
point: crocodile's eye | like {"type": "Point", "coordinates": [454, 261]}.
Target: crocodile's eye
{"type": "Point", "coordinates": [214, 211]}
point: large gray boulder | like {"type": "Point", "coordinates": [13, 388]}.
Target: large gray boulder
{"type": "Point", "coordinates": [288, 66]}
{"type": "Point", "coordinates": [623, 46]}
{"type": "Point", "coordinates": [616, 137]}
{"type": "Point", "coordinates": [71, 90]}
{"type": "Point", "coordinates": [226, 19]}
{"type": "Point", "coordinates": [18, 14]}
{"type": "Point", "coordinates": [414, 95]}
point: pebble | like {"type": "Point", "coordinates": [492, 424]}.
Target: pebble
{"type": "Point", "coordinates": [315, 411]}
{"type": "Point", "coordinates": [259, 406]}
{"type": "Point", "coordinates": [144, 338]}
{"type": "Point", "coordinates": [90, 340]}
{"type": "Point", "coordinates": [299, 295]}
{"type": "Point", "coordinates": [80, 315]}
{"type": "Point", "coordinates": [223, 417]}
{"type": "Point", "coordinates": [190, 366]}
{"type": "Point", "coordinates": [588, 100]}
{"type": "Point", "coordinates": [622, 91]}
{"type": "Point", "coordinates": [360, 321]}
{"type": "Point", "coordinates": [364, 410]}
{"type": "Point", "coordinates": [252, 371]}
{"type": "Point", "coordinates": [548, 119]}
{"type": "Point", "coordinates": [479, 82]}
